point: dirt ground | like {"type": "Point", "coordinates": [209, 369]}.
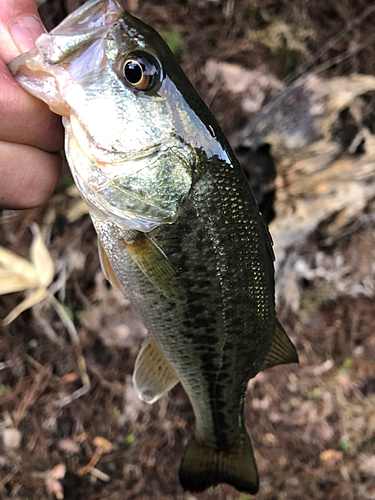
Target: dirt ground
{"type": "Point", "coordinates": [71, 425]}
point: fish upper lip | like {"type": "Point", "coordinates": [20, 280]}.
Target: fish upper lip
{"type": "Point", "coordinates": [108, 10]}
{"type": "Point", "coordinates": [92, 21]}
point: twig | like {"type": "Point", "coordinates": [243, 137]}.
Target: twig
{"type": "Point", "coordinates": [8, 478]}
{"type": "Point", "coordinates": [341, 57]}
{"type": "Point", "coordinates": [6, 364]}
{"type": "Point", "coordinates": [48, 330]}
{"type": "Point", "coordinates": [100, 475]}
{"type": "Point", "coordinates": [85, 384]}
{"type": "Point", "coordinates": [341, 34]}
{"type": "Point", "coordinates": [38, 385]}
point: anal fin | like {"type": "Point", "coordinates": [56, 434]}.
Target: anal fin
{"type": "Point", "coordinates": [281, 350]}
{"type": "Point", "coordinates": [153, 375]}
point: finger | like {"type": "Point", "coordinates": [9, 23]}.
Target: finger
{"type": "Point", "coordinates": [28, 175]}
{"type": "Point", "coordinates": [25, 119]}
{"type": "Point", "coordinates": [20, 26]}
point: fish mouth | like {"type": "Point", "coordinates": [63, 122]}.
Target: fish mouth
{"type": "Point", "coordinates": [46, 72]}
{"type": "Point", "coordinates": [92, 16]}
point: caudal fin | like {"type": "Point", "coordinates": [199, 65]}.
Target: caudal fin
{"type": "Point", "coordinates": [203, 466]}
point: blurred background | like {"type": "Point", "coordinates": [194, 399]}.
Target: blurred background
{"type": "Point", "coordinates": [290, 84]}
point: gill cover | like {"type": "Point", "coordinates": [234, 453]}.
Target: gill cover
{"type": "Point", "coordinates": [123, 128]}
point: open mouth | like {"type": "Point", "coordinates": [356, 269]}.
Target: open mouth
{"type": "Point", "coordinates": [49, 68]}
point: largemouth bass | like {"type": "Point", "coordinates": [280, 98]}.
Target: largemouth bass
{"type": "Point", "coordinates": [178, 227]}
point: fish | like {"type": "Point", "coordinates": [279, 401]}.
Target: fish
{"type": "Point", "coordinates": [178, 227]}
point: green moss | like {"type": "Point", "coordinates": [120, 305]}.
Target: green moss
{"type": "Point", "coordinates": [175, 41]}
{"type": "Point", "coordinates": [129, 439]}
{"type": "Point", "coordinates": [67, 181]}
{"type": "Point", "coordinates": [4, 389]}
{"type": "Point", "coordinates": [346, 446]}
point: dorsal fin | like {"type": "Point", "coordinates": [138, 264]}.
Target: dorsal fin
{"type": "Point", "coordinates": [281, 350]}
{"type": "Point", "coordinates": [153, 375]}
{"type": "Point", "coordinates": [268, 238]}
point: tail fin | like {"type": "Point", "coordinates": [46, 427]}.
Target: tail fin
{"type": "Point", "coordinates": [203, 466]}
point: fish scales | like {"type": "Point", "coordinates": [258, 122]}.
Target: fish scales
{"type": "Point", "coordinates": [212, 314]}
{"type": "Point", "coordinates": [178, 227]}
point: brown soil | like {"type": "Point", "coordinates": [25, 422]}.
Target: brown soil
{"type": "Point", "coordinates": [312, 425]}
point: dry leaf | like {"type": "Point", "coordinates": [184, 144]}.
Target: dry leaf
{"type": "Point", "coordinates": [102, 446]}
{"type": "Point", "coordinates": [87, 468]}
{"type": "Point", "coordinates": [78, 207]}
{"type": "Point", "coordinates": [68, 445]}
{"type": "Point", "coordinates": [81, 437]}
{"type": "Point", "coordinates": [53, 483]}
{"type": "Point", "coordinates": [76, 210]}
{"type": "Point", "coordinates": [41, 258]}
{"type": "Point", "coordinates": [102, 443]}
{"type": "Point", "coordinates": [18, 274]}
{"type": "Point", "coordinates": [30, 301]}
{"type": "Point", "coordinates": [69, 377]}
{"type": "Point", "coordinates": [367, 464]}
{"type": "Point", "coordinates": [330, 457]}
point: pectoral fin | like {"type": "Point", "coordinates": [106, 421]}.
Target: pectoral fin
{"type": "Point", "coordinates": [154, 264]}
{"type": "Point", "coordinates": [153, 375]}
{"type": "Point", "coordinates": [108, 269]}
{"type": "Point", "coordinates": [281, 350]}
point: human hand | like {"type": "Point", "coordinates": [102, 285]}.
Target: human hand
{"type": "Point", "coordinates": [30, 135]}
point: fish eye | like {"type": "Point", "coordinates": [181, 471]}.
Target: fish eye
{"type": "Point", "coordinates": [141, 71]}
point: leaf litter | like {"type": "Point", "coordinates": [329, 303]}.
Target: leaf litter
{"type": "Point", "coordinates": [313, 425]}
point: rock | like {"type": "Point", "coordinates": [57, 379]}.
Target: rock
{"type": "Point", "coordinates": [11, 438]}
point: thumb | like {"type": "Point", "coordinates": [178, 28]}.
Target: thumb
{"type": "Point", "coordinates": [20, 26]}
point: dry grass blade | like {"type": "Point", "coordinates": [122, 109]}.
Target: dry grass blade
{"type": "Point", "coordinates": [11, 282]}
{"type": "Point", "coordinates": [30, 301]}
{"type": "Point", "coordinates": [59, 308]}
{"type": "Point", "coordinates": [41, 258]}
{"type": "Point", "coordinates": [18, 274]}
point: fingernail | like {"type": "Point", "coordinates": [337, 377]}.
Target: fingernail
{"type": "Point", "coordinates": [25, 31]}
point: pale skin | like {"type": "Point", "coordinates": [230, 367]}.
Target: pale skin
{"type": "Point", "coordinates": [30, 135]}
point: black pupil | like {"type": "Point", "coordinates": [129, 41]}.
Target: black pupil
{"type": "Point", "coordinates": [133, 72]}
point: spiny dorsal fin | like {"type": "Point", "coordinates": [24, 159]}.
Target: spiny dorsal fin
{"type": "Point", "coordinates": [154, 264]}
{"type": "Point", "coordinates": [153, 375]}
{"type": "Point", "coordinates": [203, 466]}
{"type": "Point", "coordinates": [281, 350]}
{"type": "Point", "coordinates": [268, 238]}
{"type": "Point", "coordinates": [108, 269]}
